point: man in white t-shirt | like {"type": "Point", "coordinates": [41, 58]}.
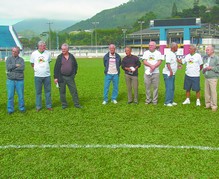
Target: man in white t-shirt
{"type": "Point", "coordinates": [194, 64]}
{"type": "Point", "coordinates": [152, 60]}
{"type": "Point", "coordinates": [169, 72]}
{"type": "Point", "coordinates": [40, 60]}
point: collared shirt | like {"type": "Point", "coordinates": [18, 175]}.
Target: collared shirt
{"type": "Point", "coordinates": [212, 61]}
{"type": "Point", "coordinates": [66, 68]}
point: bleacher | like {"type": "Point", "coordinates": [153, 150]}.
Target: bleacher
{"type": "Point", "coordinates": [8, 39]}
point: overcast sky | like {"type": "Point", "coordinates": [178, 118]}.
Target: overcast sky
{"type": "Point", "coordinates": [12, 11]}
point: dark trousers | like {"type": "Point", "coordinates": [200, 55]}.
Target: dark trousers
{"type": "Point", "coordinates": [70, 82]}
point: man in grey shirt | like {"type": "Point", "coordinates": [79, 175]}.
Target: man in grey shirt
{"type": "Point", "coordinates": [64, 73]}
{"type": "Point", "coordinates": [211, 73]}
{"type": "Point", "coordinates": [15, 80]}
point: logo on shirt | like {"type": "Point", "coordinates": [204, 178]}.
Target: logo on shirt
{"type": "Point", "coordinates": [151, 57]}
{"type": "Point", "coordinates": [41, 59]}
{"type": "Point", "coordinates": [191, 61]}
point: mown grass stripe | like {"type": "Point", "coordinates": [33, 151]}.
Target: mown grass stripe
{"type": "Point", "coordinates": [110, 146]}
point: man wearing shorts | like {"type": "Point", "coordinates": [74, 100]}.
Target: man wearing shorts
{"type": "Point", "coordinates": [194, 64]}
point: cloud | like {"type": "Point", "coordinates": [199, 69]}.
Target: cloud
{"type": "Point", "coordinates": [55, 9]}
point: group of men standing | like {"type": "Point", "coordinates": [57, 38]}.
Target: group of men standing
{"type": "Point", "coordinates": [64, 73]}
{"type": "Point", "coordinates": [152, 60]}
{"type": "Point", "coordinates": [66, 68]}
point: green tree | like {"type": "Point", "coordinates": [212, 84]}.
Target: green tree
{"type": "Point", "coordinates": [146, 18]}
{"type": "Point", "coordinates": [33, 42]}
{"type": "Point", "coordinates": [174, 10]}
{"type": "Point", "coordinates": [196, 3]}
{"type": "Point", "coordinates": [207, 15]}
{"type": "Point", "coordinates": [215, 14]}
{"type": "Point", "coordinates": [25, 42]}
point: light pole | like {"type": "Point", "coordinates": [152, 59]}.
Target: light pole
{"type": "Point", "coordinates": [95, 29]}
{"type": "Point", "coordinates": [57, 40]}
{"type": "Point", "coordinates": [50, 39]}
{"type": "Point", "coordinates": [141, 22]}
{"type": "Point", "coordinates": [124, 31]}
{"type": "Point", "coordinates": [91, 38]}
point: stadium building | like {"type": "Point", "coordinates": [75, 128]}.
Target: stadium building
{"type": "Point", "coordinates": [8, 39]}
{"type": "Point", "coordinates": [206, 35]}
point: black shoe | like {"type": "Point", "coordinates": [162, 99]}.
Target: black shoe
{"type": "Point", "coordinates": [9, 113]}
{"type": "Point", "coordinates": [135, 102]}
{"type": "Point", "coordinates": [130, 102]}
{"type": "Point", "coordinates": [22, 111]}
{"type": "Point", "coordinates": [78, 106]}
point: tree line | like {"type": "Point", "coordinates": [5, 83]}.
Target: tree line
{"type": "Point", "coordinates": [207, 15]}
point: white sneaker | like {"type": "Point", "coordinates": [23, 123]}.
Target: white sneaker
{"type": "Point", "coordinates": [187, 101]}
{"type": "Point", "coordinates": [169, 105]}
{"type": "Point", "coordinates": [104, 103]}
{"type": "Point", "coordinates": [198, 103]}
{"type": "Point", "coordinates": [174, 104]}
{"type": "Point", "coordinates": [114, 101]}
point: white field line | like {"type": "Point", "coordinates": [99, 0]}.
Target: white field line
{"type": "Point", "coordinates": [112, 146]}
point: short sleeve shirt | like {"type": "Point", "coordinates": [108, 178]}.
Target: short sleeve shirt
{"type": "Point", "coordinates": [172, 60]}
{"type": "Point", "coordinates": [152, 58]}
{"type": "Point", "coordinates": [193, 63]}
{"type": "Point", "coordinates": [41, 63]}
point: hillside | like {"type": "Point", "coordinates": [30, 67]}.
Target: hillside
{"type": "Point", "coordinates": [127, 13]}
{"type": "Point", "coordinates": [40, 25]}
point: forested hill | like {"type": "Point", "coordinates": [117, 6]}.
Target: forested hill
{"type": "Point", "coordinates": [127, 13]}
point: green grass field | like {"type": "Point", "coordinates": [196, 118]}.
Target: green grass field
{"type": "Point", "coordinates": [96, 124]}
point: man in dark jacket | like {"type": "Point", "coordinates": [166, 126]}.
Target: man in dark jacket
{"type": "Point", "coordinates": [112, 62]}
{"type": "Point", "coordinates": [64, 73]}
{"type": "Point", "coordinates": [15, 81]}
{"type": "Point", "coordinates": [130, 65]}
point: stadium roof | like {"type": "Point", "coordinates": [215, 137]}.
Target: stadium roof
{"type": "Point", "coordinates": [206, 30]}
{"type": "Point", "coordinates": [8, 37]}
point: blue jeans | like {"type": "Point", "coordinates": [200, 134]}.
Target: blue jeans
{"type": "Point", "coordinates": [46, 81]}
{"type": "Point", "coordinates": [18, 86]}
{"type": "Point", "coordinates": [170, 88]}
{"type": "Point", "coordinates": [107, 80]}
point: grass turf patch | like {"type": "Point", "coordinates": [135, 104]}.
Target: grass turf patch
{"type": "Point", "coordinates": [186, 125]}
